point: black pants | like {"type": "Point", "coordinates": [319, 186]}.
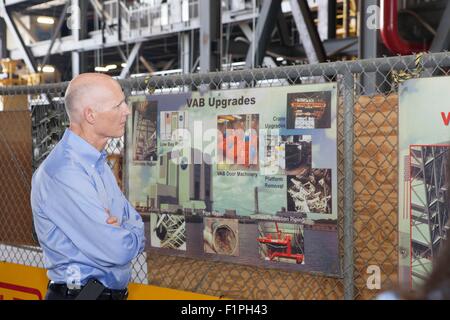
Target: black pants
{"type": "Point", "coordinates": [55, 295]}
{"type": "Point", "coordinates": [60, 292]}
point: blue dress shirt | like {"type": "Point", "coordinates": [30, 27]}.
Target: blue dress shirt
{"type": "Point", "coordinates": [73, 193]}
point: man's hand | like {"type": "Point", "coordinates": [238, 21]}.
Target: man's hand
{"type": "Point", "coordinates": [113, 220]}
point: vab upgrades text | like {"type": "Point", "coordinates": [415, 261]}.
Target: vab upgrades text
{"type": "Point", "coordinates": [220, 103]}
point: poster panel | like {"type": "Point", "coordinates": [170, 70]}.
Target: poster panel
{"type": "Point", "coordinates": [424, 144]}
{"type": "Point", "coordinates": [246, 176]}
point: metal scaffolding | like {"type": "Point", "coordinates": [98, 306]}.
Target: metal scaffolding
{"type": "Point", "coordinates": [183, 35]}
{"type": "Point", "coordinates": [429, 205]}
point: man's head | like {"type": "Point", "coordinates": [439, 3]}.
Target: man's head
{"type": "Point", "coordinates": [96, 104]}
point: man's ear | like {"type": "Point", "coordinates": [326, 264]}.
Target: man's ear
{"type": "Point", "coordinates": [88, 114]}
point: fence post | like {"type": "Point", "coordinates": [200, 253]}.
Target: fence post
{"type": "Point", "coordinates": [348, 92]}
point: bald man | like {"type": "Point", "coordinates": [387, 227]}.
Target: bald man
{"type": "Point", "coordinates": [88, 231]}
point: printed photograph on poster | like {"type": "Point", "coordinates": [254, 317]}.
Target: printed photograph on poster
{"type": "Point", "coordinates": [144, 134]}
{"type": "Point", "coordinates": [309, 110]}
{"type": "Point", "coordinates": [182, 184]}
{"type": "Point", "coordinates": [169, 122]}
{"type": "Point", "coordinates": [221, 236]}
{"type": "Point", "coordinates": [281, 242]}
{"type": "Point", "coordinates": [287, 154]}
{"type": "Point", "coordinates": [168, 231]}
{"type": "Point", "coordinates": [238, 142]}
{"type": "Point", "coordinates": [143, 177]}
{"type": "Point", "coordinates": [423, 176]}
{"type": "Point", "coordinates": [310, 191]}
{"type": "Point", "coordinates": [428, 167]}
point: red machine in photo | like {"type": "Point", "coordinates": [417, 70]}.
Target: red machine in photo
{"type": "Point", "coordinates": [281, 247]}
{"type": "Point", "coordinates": [237, 143]}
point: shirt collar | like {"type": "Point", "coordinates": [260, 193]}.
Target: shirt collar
{"type": "Point", "coordinates": [83, 149]}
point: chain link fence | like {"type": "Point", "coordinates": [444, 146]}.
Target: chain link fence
{"type": "Point", "coordinates": [367, 176]}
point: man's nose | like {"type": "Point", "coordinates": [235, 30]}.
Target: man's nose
{"type": "Point", "coordinates": [127, 110]}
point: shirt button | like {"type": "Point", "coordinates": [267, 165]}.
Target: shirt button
{"type": "Point", "coordinates": [92, 165]}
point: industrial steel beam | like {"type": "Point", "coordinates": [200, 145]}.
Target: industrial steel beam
{"type": "Point", "coordinates": [3, 50]}
{"type": "Point", "coordinates": [267, 61]}
{"type": "Point", "coordinates": [83, 33]}
{"type": "Point", "coordinates": [66, 44]}
{"type": "Point", "coordinates": [119, 21]}
{"type": "Point", "coordinates": [133, 54]}
{"type": "Point", "coordinates": [283, 29]}
{"type": "Point", "coordinates": [56, 32]}
{"type": "Point", "coordinates": [348, 47]}
{"type": "Point", "coordinates": [441, 41]}
{"type": "Point", "coordinates": [185, 52]}
{"type": "Point", "coordinates": [327, 19]}
{"type": "Point", "coordinates": [94, 42]}
{"type": "Point", "coordinates": [369, 43]}
{"type": "Point", "coordinates": [25, 54]}
{"type": "Point", "coordinates": [98, 7]}
{"type": "Point", "coordinates": [146, 64]}
{"type": "Point", "coordinates": [22, 27]}
{"type": "Point", "coordinates": [13, 2]}
{"type": "Point", "coordinates": [430, 211]}
{"type": "Point", "coordinates": [210, 35]}
{"type": "Point", "coordinates": [248, 32]}
{"type": "Point", "coordinates": [309, 36]}
{"type": "Point", "coordinates": [76, 37]}
{"type": "Point", "coordinates": [168, 64]}
{"type": "Point", "coordinates": [264, 27]}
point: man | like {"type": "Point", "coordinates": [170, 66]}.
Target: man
{"type": "Point", "coordinates": [88, 231]}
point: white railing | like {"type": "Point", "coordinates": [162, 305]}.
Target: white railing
{"type": "Point", "coordinates": [171, 16]}
{"type": "Point", "coordinates": [111, 10]}
{"type": "Point", "coordinates": [146, 19]}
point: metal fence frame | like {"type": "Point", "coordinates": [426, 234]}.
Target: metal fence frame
{"type": "Point", "coordinates": [350, 77]}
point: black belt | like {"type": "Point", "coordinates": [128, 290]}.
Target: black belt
{"type": "Point", "coordinates": [107, 294]}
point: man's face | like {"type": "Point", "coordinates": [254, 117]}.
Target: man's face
{"type": "Point", "coordinates": [110, 120]}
